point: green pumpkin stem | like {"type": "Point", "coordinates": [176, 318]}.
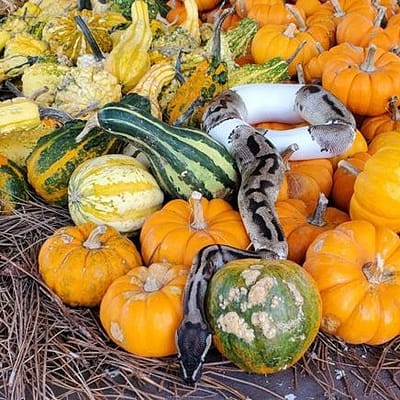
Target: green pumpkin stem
{"type": "Point", "coordinates": [317, 218]}
{"type": "Point", "coordinates": [93, 240]}
{"type": "Point", "coordinates": [198, 222]}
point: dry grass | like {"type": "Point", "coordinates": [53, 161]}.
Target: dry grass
{"type": "Point", "coordinates": [50, 351]}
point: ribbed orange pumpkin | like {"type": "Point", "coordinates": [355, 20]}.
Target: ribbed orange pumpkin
{"type": "Point", "coordinates": [344, 178]}
{"type": "Point", "coordinates": [141, 310]}
{"type": "Point", "coordinates": [388, 121]}
{"type": "Point", "coordinates": [357, 269]}
{"type": "Point", "coordinates": [79, 262]}
{"type": "Point", "coordinates": [376, 196]}
{"type": "Point", "coordinates": [181, 228]}
{"type": "Point", "coordinates": [302, 223]}
{"type": "Point", "coordinates": [364, 82]}
{"type": "Point", "coordinates": [283, 41]}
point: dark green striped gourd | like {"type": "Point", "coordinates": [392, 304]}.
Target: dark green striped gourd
{"type": "Point", "coordinates": [13, 187]}
{"type": "Point", "coordinates": [56, 155]}
{"type": "Point", "coordinates": [181, 159]}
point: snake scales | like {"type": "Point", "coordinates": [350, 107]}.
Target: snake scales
{"type": "Point", "coordinates": [262, 169]}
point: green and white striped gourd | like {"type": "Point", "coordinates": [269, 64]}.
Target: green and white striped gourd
{"type": "Point", "coordinates": [113, 189]}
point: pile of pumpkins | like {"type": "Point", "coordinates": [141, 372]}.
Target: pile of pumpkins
{"type": "Point", "coordinates": [132, 245]}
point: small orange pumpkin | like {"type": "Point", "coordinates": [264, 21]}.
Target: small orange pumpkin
{"type": "Point", "coordinates": [181, 228]}
{"type": "Point", "coordinates": [79, 262]}
{"type": "Point", "coordinates": [344, 178]}
{"type": "Point", "coordinates": [356, 267]}
{"type": "Point", "coordinates": [302, 223]}
{"type": "Point", "coordinates": [388, 121]}
{"type": "Point", "coordinates": [142, 309]}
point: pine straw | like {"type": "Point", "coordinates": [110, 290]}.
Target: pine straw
{"type": "Point", "coordinates": [51, 351]}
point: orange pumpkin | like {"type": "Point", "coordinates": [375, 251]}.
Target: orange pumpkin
{"type": "Point", "coordinates": [376, 197]}
{"type": "Point", "coordinates": [142, 309]}
{"type": "Point", "coordinates": [344, 178]}
{"type": "Point", "coordinates": [356, 267]}
{"type": "Point", "coordinates": [79, 262]}
{"type": "Point", "coordinates": [308, 178]}
{"type": "Point", "coordinates": [182, 227]}
{"type": "Point", "coordinates": [385, 139]}
{"type": "Point", "coordinates": [388, 121]}
{"type": "Point", "coordinates": [364, 82]}
{"type": "Point", "coordinates": [283, 41]}
{"type": "Point", "coordinates": [302, 223]}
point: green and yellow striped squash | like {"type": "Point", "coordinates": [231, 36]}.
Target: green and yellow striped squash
{"type": "Point", "coordinates": [13, 186]}
{"type": "Point", "coordinates": [182, 160]}
{"type": "Point", "coordinates": [113, 189]}
{"type": "Point", "coordinates": [264, 314]}
{"type": "Point", "coordinates": [56, 155]}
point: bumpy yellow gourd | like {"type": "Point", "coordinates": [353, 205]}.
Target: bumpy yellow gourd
{"type": "Point", "coordinates": [129, 60]}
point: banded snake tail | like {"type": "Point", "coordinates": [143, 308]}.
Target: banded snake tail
{"type": "Point", "coordinates": [261, 169]}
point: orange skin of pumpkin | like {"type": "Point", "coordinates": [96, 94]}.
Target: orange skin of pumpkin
{"type": "Point", "coordinates": [308, 178]}
{"type": "Point", "coordinates": [344, 179]}
{"type": "Point", "coordinates": [78, 271]}
{"type": "Point", "coordinates": [365, 81]}
{"type": "Point", "coordinates": [169, 234]}
{"type": "Point", "coordinates": [357, 269]}
{"type": "Point", "coordinates": [142, 309]}
{"type": "Point", "coordinates": [389, 139]}
{"type": "Point", "coordinates": [376, 197]}
{"type": "Point", "coordinates": [294, 216]}
{"type": "Point", "coordinates": [388, 121]}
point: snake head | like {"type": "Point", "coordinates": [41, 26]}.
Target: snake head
{"type": "Point", "coordinates": [193, 341]}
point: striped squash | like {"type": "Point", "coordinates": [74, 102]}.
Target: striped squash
{"type": "Point", "coordinates": [113, 189]}
{"type": "Point", "coordinates": [56, 155]}
{"type": "Point", "coordinates": [182, 160]}
{"type": "Point", "coordinates": [13, 187]}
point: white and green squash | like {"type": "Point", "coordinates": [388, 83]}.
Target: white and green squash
{"type": "Point", "coordinates": [113, 189]}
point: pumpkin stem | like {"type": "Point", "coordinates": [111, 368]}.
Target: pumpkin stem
{"type": "Point", "coordinates": [378, 21]}
{"type": "Point", "coordinates": [300, 74]}
{"type": "Point", "coordinates": [301, 24]}
{"type": "Point", "coordinates": [338, 11]}
{"type": "Point", "coordinates": [296, 52]}
{"type": "Point", "coordinates": [290, 30]}
{"type": "Point", "coordinates": [198, 222]}
{"type": "Point", "coordinates": [92, 242]}
{"type": "Point", "coordinates": [394, 110]}
{"type": "Point", "coordinates": [375, 272]}
{"type": "Point", "coordinates": [98, 54]}
{"type": "Point", "coordinates": [287, 153]}
{"type": "Point", "coordinates": [348, 167]}
{"type": "Point", "coordinates": [317, 218]}
{"type": "Point", "coordinates": [152, 284]}
{"type": "Point", "coordinates": [368, 64]}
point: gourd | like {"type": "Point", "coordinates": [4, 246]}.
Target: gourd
{"type": "Point", "coordinates": [14, 66]}
{"type": "Point", "coordinates": [356, 268]}
{"type": "Point", "coordinates": [129, 60]}
{"type": "Point", "coordinates": [264, 314]}
{"type": "Point", "coordinates": [66, 39]}
{"type": "Point", "coordinates": [56, 155]}
{"type": "Point", "coordinates": [13, 187]}
{"type": "Point", "coordinates": [181, 159]}
{"type": "Point", "coordinates": [18, 113]}
{"type": "Point", "coordinates": [193, 224]}
{"type": "Point", "coordinates": [141, 310]}
{"type": "Point", "coordinates": [78, 263]}
{"type": "Point", "coordinates": [113, 189]}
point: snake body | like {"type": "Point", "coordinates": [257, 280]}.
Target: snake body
{"type": "Point", "coordinates": [261, 169]}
